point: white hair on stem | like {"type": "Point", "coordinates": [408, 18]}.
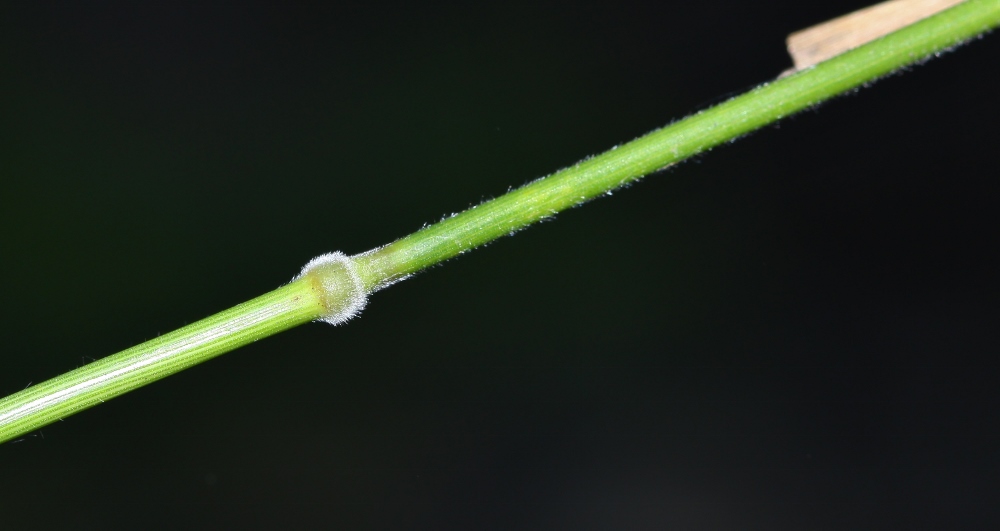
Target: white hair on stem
{"type": "Point", "coordinates": [341, 290]}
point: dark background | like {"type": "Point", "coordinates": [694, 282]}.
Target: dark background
{"type": "Point", "coordinates": [797, 331]}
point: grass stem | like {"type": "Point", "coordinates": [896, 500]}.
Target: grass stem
{"type": "Point", "coordinates": [334, 287]}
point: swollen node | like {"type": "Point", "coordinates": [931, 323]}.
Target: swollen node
{"type": "Point", "coordinates": [342, 292]}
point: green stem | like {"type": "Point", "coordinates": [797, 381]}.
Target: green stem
{"type": "Point", "coordinates": [623, 164]}
{"type": "Point", "coordinates": [104, 379]}
{"type": "Point", "coordinates": [334, 287]}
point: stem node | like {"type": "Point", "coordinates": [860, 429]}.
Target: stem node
{"type": "Point", "coordinates": [338, 286]}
